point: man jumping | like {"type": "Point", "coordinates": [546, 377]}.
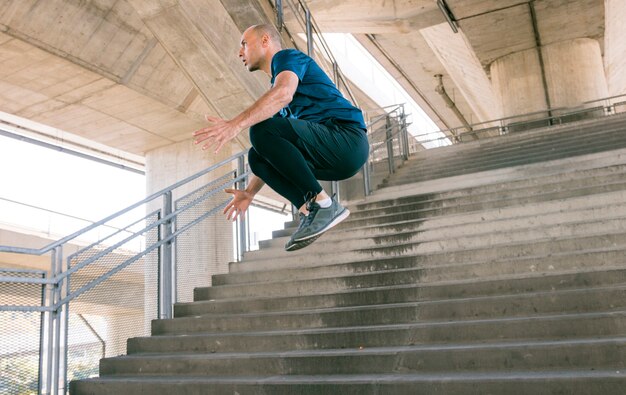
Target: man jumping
{"type": "Point", "coordinates": [302, 130]}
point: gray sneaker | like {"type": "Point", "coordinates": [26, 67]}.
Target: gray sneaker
{"type": "Point", "coordinates": [320, 220]}
{"type": "Point", "coordinates": [296, 245]}
{"type": "Point", "coordinates": [292, 245]}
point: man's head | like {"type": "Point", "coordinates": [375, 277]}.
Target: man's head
{"type": "Point", "coordinates": [259, 43]}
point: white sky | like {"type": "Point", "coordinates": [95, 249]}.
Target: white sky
{"type": "Point", "coordinates": [60, 182]}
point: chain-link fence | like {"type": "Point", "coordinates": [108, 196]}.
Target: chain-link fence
{"type": "Point", "coordinates": [56, 326]}
{"type": "Point", "coordinates": [122, 299]}
{"type": "Point", "coordinates": [20, 344]}
{"type": "Point", "coordinates": [206, 248]}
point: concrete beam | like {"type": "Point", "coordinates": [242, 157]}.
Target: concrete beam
{"type": "Point", "coordinates": [457, 56]}
{"type": "Point", "coordinates": [203, 41]}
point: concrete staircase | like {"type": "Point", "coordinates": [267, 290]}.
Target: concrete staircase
{"type": "Point", "coordinates": [499, 280]}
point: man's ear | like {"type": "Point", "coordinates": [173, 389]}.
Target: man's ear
{"type": "Point", "coordinates": [265, 40]}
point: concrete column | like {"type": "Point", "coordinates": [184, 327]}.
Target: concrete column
{"type": "Point", "coordinates": [615, 46]}
{"type": "Point", "coordinates": [574, 72]}
{"type": "Point", "coordinates": [207, 248]}
{"type": "Point", "coordinates": [517, 83]}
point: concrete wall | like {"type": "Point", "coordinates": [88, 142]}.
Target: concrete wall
{"type": "Point", "coordinates": [615, 46]}
{"type": "Point", "coordinates": [207, 248]}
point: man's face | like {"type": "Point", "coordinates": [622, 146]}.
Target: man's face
{"type": "Point", "coordinates": [250, 50]}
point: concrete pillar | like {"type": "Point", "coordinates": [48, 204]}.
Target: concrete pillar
{"type": "Point", "coordinates": [517, 83]}
{"type": "Point", "coordinates": [615, 46]}
{"type": "Point", "coordinates": [574, 72]}
{"type": "Point", "coordinates": [207, 248]}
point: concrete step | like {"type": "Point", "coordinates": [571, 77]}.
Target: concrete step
{"type": "Point", "coordinates": [519, 328]}
{"type": "Point", "coordinates": [504, 175]}
{"type": "Point", "coordinates": [516, 141]}
{"type": "Point", "coordinates": [475, 158]}
{"type": "Point", "coordinates": [561, 139]}
{"type": "Point", "coordinates": [489, 214]}
{"type": "Point", "coordinates": [587, 354]}
{"type": "Point", "coordinates": [407, 291]}
{"type": "Point", "coordinates": [456, 227]}
{"type": "Point", "coordinates": [478, 247]}
{"type": "Point", "coordinates": [503, 219]}
{"type": "Point", "coordinates": [481, 161]}
{"type": "Point", "coordinates": [563, 301]}
{"type": "Point", "coordinates": [417, 274]}
{"type": "Point", "coordinates": [431, 266]}
{"type": "Point", "coordinates": [424, 210]}
{"type": "Point", "coordinates": [538, 184]}
{"type": "Point", "coordinates": [595, 382]}
{"type": "Point", "coordinates": [503, 252]}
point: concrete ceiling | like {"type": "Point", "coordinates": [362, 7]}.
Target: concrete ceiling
{"type": "Point", "coordinates": [137, 75]}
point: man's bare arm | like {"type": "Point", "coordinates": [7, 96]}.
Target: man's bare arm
{"type": "Point", "coordinates": [265, 107]}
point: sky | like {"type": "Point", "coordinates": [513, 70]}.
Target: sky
{"type": "Point", "coordinates": [55, 181]}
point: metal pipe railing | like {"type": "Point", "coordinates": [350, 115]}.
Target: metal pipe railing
{"type": "Point", "coordinates": [55, 284]}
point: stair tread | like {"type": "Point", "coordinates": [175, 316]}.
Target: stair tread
{"type": "Point", "coordinates": [390, 350]}
{"type": "Point", "coordinates": [384, 377]}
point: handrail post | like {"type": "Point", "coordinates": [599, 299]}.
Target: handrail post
{"type": "Point", "coordinates": [56, 341]}
{"type": "Point", "coordinates": [366, 178]}
{"type": "Point", "coordinates": [389, 139]}
{"type": "Point", "coordinates": [241, 220]}
{"type": "Point", "coordinates": [309, 32]}
{"type": "Point", "coordinates": [404, 134]}
{"type": "Point", "coordinates": [166, 261]}
{"type": "Point", "coordinates": [279, 15]}
{"type": "Point", "coordinates": [48, 338]}
{"type": "Point", "coordinates": [334, 187]}
{"type": "Point", "coordinates": [42, 342]}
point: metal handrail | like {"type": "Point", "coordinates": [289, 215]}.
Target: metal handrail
{"type": "Point", "coordinates": [504, 121]}
{"type": "Point", "coordinates": [308, 24]}
{"type": "Point", "coordinates": [55, 283]}
{"type": "Point", "coordinates": [53, 245]}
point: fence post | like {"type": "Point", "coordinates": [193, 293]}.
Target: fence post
{"type": "Point", "coordinates": [389, 139]}
{"type": "Point", "coordinates": [47, 336]}
{"type": "Point", "coordinates": [42, 342]}
{"type": "Point", "coordinates": [309, 32]}
{"type": "Point", "coordinates": [334, 190]}
{"type": "Point", "coordinates": [166, 260]}
{"type": "Point", "coordinates": [366, 178]}
{"type": "Point", "coordinates": [241, 220]}
{"type": "Point", "coordinates": [279, 15]}
{"type": "Point", "coordinates": [57, 315]}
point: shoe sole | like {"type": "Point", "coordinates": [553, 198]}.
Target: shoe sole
{"type": "Point", "coordinates": [296, 245]}
{"type": "Point", "coordinates": [343, 215]}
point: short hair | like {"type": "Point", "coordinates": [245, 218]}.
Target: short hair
{"type": "Point", "coordinates": [270, 30]}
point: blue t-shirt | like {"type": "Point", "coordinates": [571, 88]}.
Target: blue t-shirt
{"type": "Point", "coordinates": [317, 99]}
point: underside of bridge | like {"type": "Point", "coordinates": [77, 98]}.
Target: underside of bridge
{"type": "Point", "coordinates": [134, 78]}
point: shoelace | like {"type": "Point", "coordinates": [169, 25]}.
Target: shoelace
{"type": "Point", "coordinates": [311, 207]}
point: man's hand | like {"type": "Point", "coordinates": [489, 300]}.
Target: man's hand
{"type": "Point", "coordinates": [239, 204]}
{"type": "Point", "coordinates": [218, 134]}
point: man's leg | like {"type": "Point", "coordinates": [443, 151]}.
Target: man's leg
{"type": "Point", "coordinates": [289, 155]}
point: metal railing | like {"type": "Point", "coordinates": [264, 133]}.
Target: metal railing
{"type": "Point", "coordinates": [391, 143]}
{"type": "Point", "coordinates": [110, 285]}
{"type": "Point", "coordinates": [315, 42]}
{"type": "Point", "coordinates": [549, 117]}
